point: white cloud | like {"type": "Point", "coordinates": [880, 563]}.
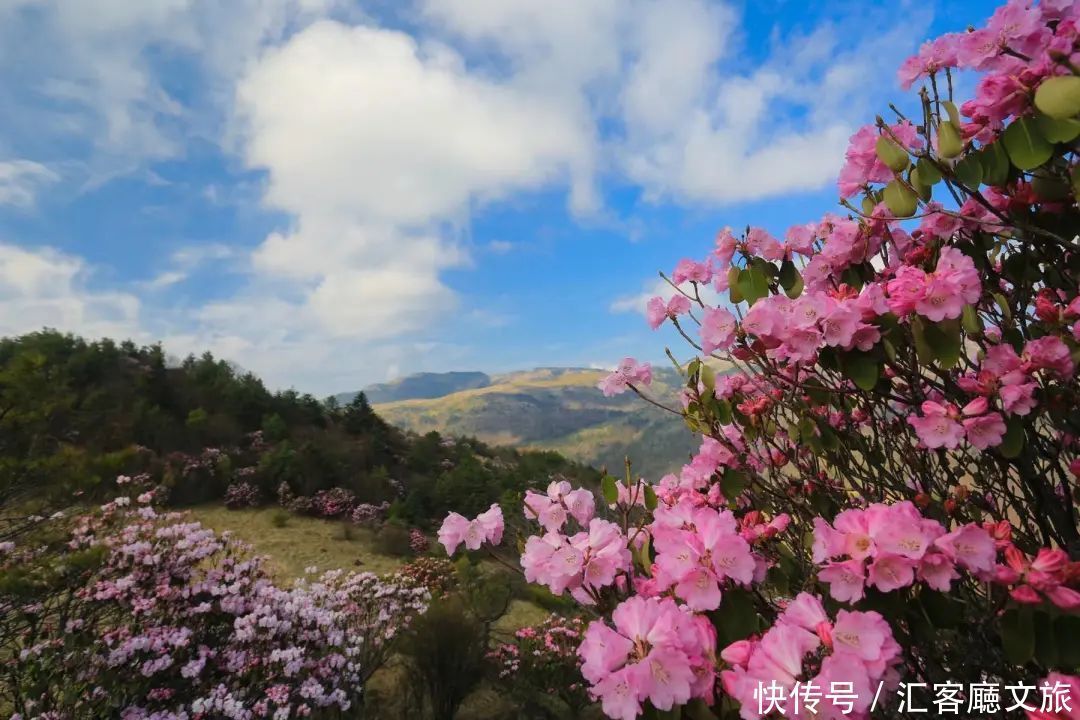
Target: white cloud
{"type": "Point", "coordinates": [184, 261]}
{"type": "Point", "coordinates": [99, 64]}
{"type": "Point", "coordinates": [726, 134]}
{"type": "Point", "coordinates": [500, 247]}
{"type": "Point", "coordinates": [47, 288]}
{"type": "Point", "coordinates": [20, 181]}
{"type": "Point", "coordinates": [375, 143]}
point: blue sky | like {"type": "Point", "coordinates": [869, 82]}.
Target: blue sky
{"type": "Point", "coordinates": [332, 193]}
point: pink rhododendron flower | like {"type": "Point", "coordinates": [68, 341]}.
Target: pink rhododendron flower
{"type": "Point", "coordinates": [657, 311]}
{"type": "Point", "coordinates": [629, 371]}
{"type": "Point", "coordinates": [718, 328]}
{"type": "Point", "coordinates": [937, 427]}
{"type": "Point", "coordinates": [658, 652]}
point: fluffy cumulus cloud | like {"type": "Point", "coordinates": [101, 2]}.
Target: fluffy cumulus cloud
{"type": "Point", "coordinates": [374, 142]}
{"type": "Point", "coordinates": [376, 145]}
{"type": "Point", "coordinates": [47, 288]}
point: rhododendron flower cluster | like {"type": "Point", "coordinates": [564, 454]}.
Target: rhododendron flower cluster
{"type": "Point", "coordinates": [656, 651]}
{"type": "Point", "coordinates": [583, 563]}
{"type": "Point", "coordinates": [804, 645]}
{"type": "Point", "coordinates": [698, 550]}
{"type": "Point", "coordinates": [628, 374]}
{"type": "Point", "coordinates": [560, 503]}
{"type": "Point", "coordinates": [889, 547]}
{"type": "Point", "coordinates": [485, 527]}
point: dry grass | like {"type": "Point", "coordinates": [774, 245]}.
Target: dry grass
{"type": "Point", "coordinates": [303, 542]}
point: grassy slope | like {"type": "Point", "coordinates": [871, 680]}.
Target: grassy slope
{"type": "Point", "coordinates": [303, 542]}
{"type": "Point", "coordinates": [558, 410]}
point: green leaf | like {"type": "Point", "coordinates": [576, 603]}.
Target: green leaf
{"type": "Point", "coordinates": [950, 142]}
{"type": "Point", "coordinates": [753, 285]}
{"type": "Point", "coordinates": [944, 611]}
{"type": "Point", "coordinates": [795, 290]}
{"type": "Point", "coordinates": [723, 412]}
{"type": "Point", "coordinates": [925, 191]}
{"type": "Point", "coordinates": [1057, 131]}
{"type": "Point", "coordinates": [644, 555]}
{"type": "Point", "coordinates": [789, 274]}
{"type": "Point", "coordinates": [1018, 635]}
{"type": "Point", "coordinates": [861, 368]}
{"type": "Point", "coordinates": [995, 164]}
{"type": "Point", "coordinates": [944, 341]}
{"type": "Point", "coordinates": [708, 377]}
{"type": "Point", "coordinates": [894, 156]}
{"type": "Point", "coordinates": [733, 285]}
{"type": "Point", "coordinates": [1059, 96]}
{"type": "Point", "coordinates": [1003, 305]}
{"type": "Point", "coordinates": [900, 200]}
{"type": "Point", "coordinates": [928, 172]}
{"type": "Point", "coordinates": [736, 618]}
{"type": "Point", "coordinates": [698, 710]}
{"type": "Point", "coordinates": [969, 171]}
{"type": "Point", "coordinates": [734, 482]}
{"type": "Point", "coordinates": [610, 489]}
{"type": "Point", "coordinates": [1067, 628]}
{"type": "Point", "coordinates": [1027, 147]}
{"type": "Point", "coordinates": [971, 321]}
{"type": "Point", "coordinates": [1013, 442]}
{"type": "Point", "coordinates": [1046, 644]}
{"type": "Point", "coordinates": [923, 349]}
{"type": "Point", "coordinates": [650, 498]}
{"type": "Point", "coordinates": [954, 114]}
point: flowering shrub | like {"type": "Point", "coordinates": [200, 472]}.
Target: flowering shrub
{"type": "Point", "coordinates": [885, 493]}
{"type": "Point", "coordinates": [138, 615]}
{"type": "Point", "coordinates": [418, 541]}
{"type": "Point", "coordinates": [368, 514]}
{"type": "Point", "coordinates": [333, 503]}
{"type": "Point", "coordinates": [436, 575]}
{"type": "Point", "coordinates": [542, 661]}
{"type": "Point", "coordinates": [241, 495]}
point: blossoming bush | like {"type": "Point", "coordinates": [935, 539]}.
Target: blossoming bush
{"type": "Point", "coordinates": [885, 496]}
{"type": "Point", "coordinates": [137, 614]}
{"type": "Point", "coordinates": [241, 495]}
{"type": "Point", "coordinates": [541, 662]}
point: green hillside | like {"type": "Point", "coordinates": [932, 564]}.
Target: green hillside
{"type": "Point", "coordinates": [558, 409]}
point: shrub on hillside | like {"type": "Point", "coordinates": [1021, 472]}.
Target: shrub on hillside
{"type": "Point", "coordinates": [541, 662]}
{"type": "Point", "coordinates": [445, 654]}
{"type": "Point", "coordinates": [242, 495]}
{"type": "Point", "coordinates": [141, 615]}
{"type": "Point", "coordinates": [333, 503]}
{"type": "Point", "coordinates": [393, 539]}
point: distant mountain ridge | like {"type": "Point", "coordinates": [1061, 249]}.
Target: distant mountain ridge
{"type": "Point", "coordinates": [420, 386]}
{"type": "Point", "coordinates": [557, 409]}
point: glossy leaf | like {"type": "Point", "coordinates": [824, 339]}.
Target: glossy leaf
{"type": "Point", "coordinates": [1027, 147]}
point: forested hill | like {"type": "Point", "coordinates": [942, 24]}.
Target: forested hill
{"type": "Point", "coordinates": [76, 414]}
